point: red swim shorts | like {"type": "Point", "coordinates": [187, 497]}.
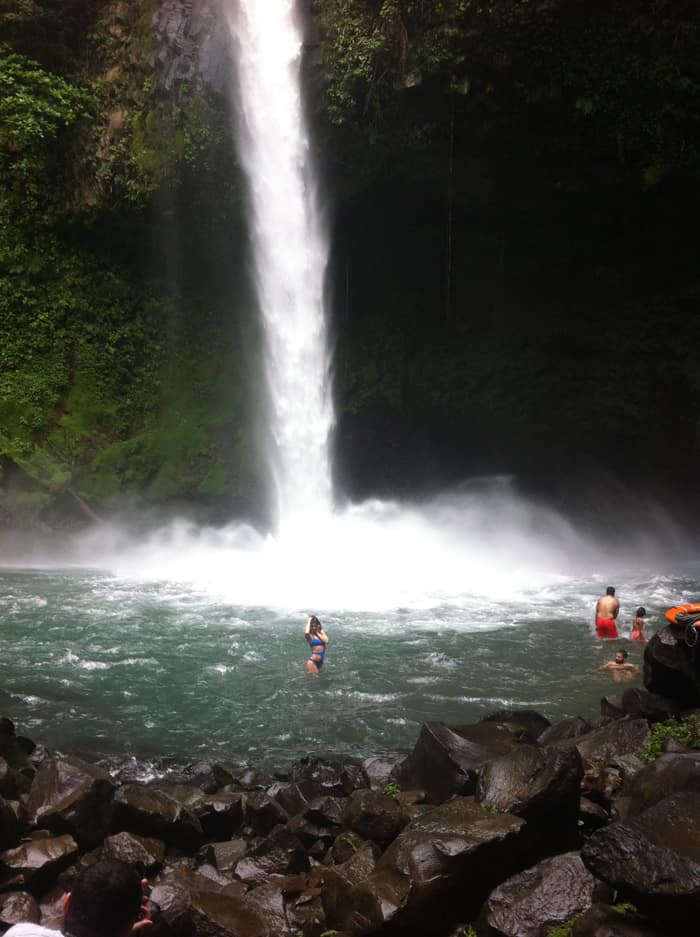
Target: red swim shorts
{"type": "Point", "coordinates": [606, 628]}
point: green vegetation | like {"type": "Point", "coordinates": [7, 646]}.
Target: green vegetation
{"type": "Point", "coordinates": [564, 930]}
{"type": "Point", "coordinates": [392, 789]}
{"type": "Point", "coordinates": [684, 731]}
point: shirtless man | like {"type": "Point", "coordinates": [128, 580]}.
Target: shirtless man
{"type": "Point", "coordinates": [606, 611]}
{"type": "Point", "coordinates": [621, 670]}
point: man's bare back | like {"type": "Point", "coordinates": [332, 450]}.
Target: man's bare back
{"type": "Point", "coordinates": [607, 606]}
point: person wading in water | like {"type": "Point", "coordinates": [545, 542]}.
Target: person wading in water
{"type": "Point", "coordinates": [606, 611]}
{"type": "Point", "coordinates": [318, 640]}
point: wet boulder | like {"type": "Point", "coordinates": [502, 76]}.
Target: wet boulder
{"type": "Point", "coordinates": [345, 846]}
{"type": "Point", "coordinates": [653, 859]}
{"type": "Point", "coordinates": [444, 762]}
{"type": "Point", "coordinates": [281, 853]}
{"type": "Point", "coordinates": [221, 815]}
{"type": "Point", "coordinates": [536, 784]}
{"type": "Point", "coordinates": [607, 783]}
{"type": "Point", "coordinates": [288, 796]}
{"type": "Point", "coordinates": [528, 720]}
{"type": "Point", "coordinates": [535, 901]}
{"type": "Point", "coordinates": [38, 861]}
{"type": "Point", "coordinates": [671, 773]}
{"type": "Point", "coordinates": [262, 813]}
{"type": "Point", "coordinates": [671, 668]}
{"type": "Point", "coordinates": [437, 871]}
{"type": "Point", "coordinates": [194, 906]}
{"type": "Point", "coordinates": [344, 880]}
{"type": "Point", "coordinates": [151, 812]}
{"type": "Point", "coordinates": [329, 776]}
{"type": "Point", "coordinates": [641, 703]}
{"type": "Point", "coordinates": [17, 907]}
{"type": "Point", "coordinates": [566, 729]}
{"type": "Point", "coordinates": [619, 737]}
{"type": "Point", "coordinates": [146, 852]}
{"type": "Point", "coordinates": [224, 856]}
{"type": "Point", "coordinates": [71, 796]}
{"type": "Point", "coordinates": [379, 771]}
{"type": "Point", "coordinates": [373, 816]}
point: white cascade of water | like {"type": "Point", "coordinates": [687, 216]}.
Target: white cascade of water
{"type": "Point", "coordinates": [290, 251]}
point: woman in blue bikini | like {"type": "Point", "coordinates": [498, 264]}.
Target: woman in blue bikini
{"type": "Point", "coordinates": [318, 639]}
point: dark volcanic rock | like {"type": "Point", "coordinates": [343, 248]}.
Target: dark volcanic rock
{"type": "Point", "coordinates": [670, 774]}
{"type": "Point", "coordinates": [671, 668]}
{"type": "Point", "coordinates": [445, 763]}
{"type": "Point", "coordinates": [533, 902]}
{"type": "Point", "coordinates": [335, 777]}
{"type": "Point", "coordinates": [566, 729]}
{"type": "Point", "coordinates": [195, 906]}
{"type": "Point", "coordinates": [71, 796]}
{"type": "Point", "coordinates": [374, 816]}
{"type": "Point", "coordinates": [262, 813]}
{"type": "Point", "coordinates": [288, 796]}
{"type": "Point", "coordinates": [150, 812]}
{"type": "Point", "coordinates": [379, 771]}
{"type": "Point", "coordinates": [18, 906]}
{"type": "Point", "coordinates": [653, 859]}
{"type": "Point", "coordinates": [128, 847]}
{"type": "Point", "coordinates": [345, 846]}
{"type": "Point", "coordinates": [280, 853]}
{"type": "Point", "coordinates": [39, 861]}
{"type": "Point", "coordinates": [533, 723]}
{"type": "Point", "coordinates": [224, 856]}
{"type": "Point", "coordinates": [651, 706]}
{"type": "Point", "coordinates": [536, 784]}
{"type": "Point", "coordinates": [439, 870]}
{"type": "Point", "coordinates": [620, 737]}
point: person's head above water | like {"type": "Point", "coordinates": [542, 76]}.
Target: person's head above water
{"type": "Point", "coordinates": [641, 612]}
{"type": "Point", "coordinates": [105, 901]}
{"type": "Point", "coordinates": [610, 590]}
{"type": "Point", "coordinates": [620, 656]}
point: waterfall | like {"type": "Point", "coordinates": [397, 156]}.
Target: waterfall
{"type": "Point", "coordinates": [290, 251]}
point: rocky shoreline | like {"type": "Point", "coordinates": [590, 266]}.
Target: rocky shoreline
{"type": "Point", "coordinates": [509, 827]}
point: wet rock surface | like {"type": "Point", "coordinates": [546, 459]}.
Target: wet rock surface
{"type": "Point", "coordinates": [671, 668]}
{"type": "Point", "coordinates": [541, 898]}
{"type": "Point", "coordinates": [324, 847]}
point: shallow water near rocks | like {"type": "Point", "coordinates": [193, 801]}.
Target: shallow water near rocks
{"type": "Point", "coordinates": [155, 673]}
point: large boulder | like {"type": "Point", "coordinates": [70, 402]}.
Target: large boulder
{"type": "Point", "coordinates": [38, 861]}
{"type": "Point", "coordinates": [150, 812]}
{"type": "Point", "coordinates": [566, 729]}
{"type": "Point", "coordinates": [281, 853]}
{"type": "Point", "coordinates": [374, 816]}
{"type": "Point", "coordinates": [146, 852]}
{"type": "Point", "coordinates": [671, 668]}
{"type": "Point", "coordinates": [537, 784]}
{"type": "Point", "coordinates": [439, 870]}
{"type": "Point", "coordinates": [620, 737]}
{"type": "Point", "coordinates": [71, 796]}
{"type": "Point", "coordinates": [193, 905]}
{"type": "Point", "coordinates": [651, 706]}
{"type": "Point", "coordinates": [17, 907]}
{"type": "Point", "coordinates": [220, 815]}
{"type": "Point", "coordinates": [444, 761]}
{"type": "Point", "coordinates": [10, 826]}
{"type": "Point", "coordinates": [330, 776]}
{"type": "Point", "coordinates": [671, 773]}
{"type": "Point", "coordinates": [535, 901]}
{"type": "Point", "coordinates": [653, 859]}
{"type": "Point", "coordinates": [532, 723]}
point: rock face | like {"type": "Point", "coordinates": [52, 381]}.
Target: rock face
{"type": "Point", "coordinates": [444, 762]}
{"type": "Point", "coordinates": [671, 668]}
{"type": "Point", "coordinates": [70, 796]}
{"type": "Point", "coordinates": [535, 901]}
{"type": "Point", "coordinates": [373, 816]}
{"type": "Point", "coordinates": [40, 860]}
{"type": "Point", "coordinates": [674, 772]}
{"type": "Point", "coordinates": [535, 784]}
{"type": "Point", "coordinates": [653, 859]}
{"type": "Point", "coordinates": [619, 737]}
{"type": "Point", "coordinates": [151, 812]}
{"type": "Point", "coordinates": [438, 871]}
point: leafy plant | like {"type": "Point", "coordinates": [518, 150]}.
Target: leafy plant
{"type": "Point", "coordinates": [684, 731]}
{"type": "Point", "coordinates": [392, 789]}
{"type": "Point", "coordinates": [564, 930]}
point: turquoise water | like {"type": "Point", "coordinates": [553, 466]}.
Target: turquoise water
{"type": "Point", "coordinates": [118, 669]}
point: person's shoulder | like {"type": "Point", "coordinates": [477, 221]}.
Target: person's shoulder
{"type": "Point", "coordinates": [31, 930]}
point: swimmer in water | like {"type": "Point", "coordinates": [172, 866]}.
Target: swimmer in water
{"type": "Point", "coordinates": [317, 639]}
{"type": "Point", "coordinates": [638, 625]}
{"type": "Point", "coordinates": [621, 670]}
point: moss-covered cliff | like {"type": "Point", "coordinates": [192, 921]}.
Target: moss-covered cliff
{"type": "Point", "coordinates": [514, 190]}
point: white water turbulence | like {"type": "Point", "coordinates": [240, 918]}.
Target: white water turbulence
{"type": "Point", "coordinates": [290, 251]}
